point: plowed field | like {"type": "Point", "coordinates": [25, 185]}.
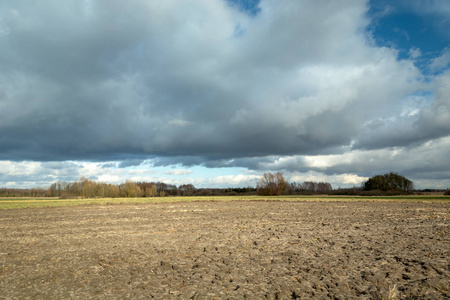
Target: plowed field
{"type": "Point", "coordinates": [227, 250]}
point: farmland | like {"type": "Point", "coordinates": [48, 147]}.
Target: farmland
{"type": "Point", "coordinates": [202, 247]}
{"type": "Point", "coordinates": [28, 202]}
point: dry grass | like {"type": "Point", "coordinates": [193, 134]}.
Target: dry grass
{"type": "Point", "coordinates": [29, 202]}
{"type": "Point", "coordinates": [393, 293]}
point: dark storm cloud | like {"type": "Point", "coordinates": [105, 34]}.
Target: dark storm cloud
{"type": "Point", "coordinates": [130, 163]}
{"type": "Point", "coordinates": [204, 82]}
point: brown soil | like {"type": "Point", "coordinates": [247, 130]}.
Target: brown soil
{"type": "Point", "coordinates": [227, 250]}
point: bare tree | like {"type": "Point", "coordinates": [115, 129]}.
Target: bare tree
{"type": "Point", "coordinates": [272, 184]}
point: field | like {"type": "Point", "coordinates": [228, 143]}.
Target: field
{"type": "Point", "coordinates": [14, 202]}
{"type": "Point", "coordinates": [275, 248]}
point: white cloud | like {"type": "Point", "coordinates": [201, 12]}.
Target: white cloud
{"type": "Point", "coordinates": [241, 180]}
{"type": "Point", "coordinates": [336, 180]}
{"type": "Point", "coordinates": [24, 174]}
{"type": "Point", "coordinates": [179, 172]}
{"type": "Point", "coordinates": [442, 62]}
{"type": "Point", "coordinates": [415, 53]}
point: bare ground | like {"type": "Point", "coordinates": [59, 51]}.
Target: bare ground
{"type": "Point", "coordinates": [227, 250]}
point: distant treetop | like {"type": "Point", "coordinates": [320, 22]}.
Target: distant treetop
{"type": "Point", "coordinates": [391, 181]}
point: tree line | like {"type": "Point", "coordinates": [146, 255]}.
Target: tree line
{"type": "Point", "coordinates": [9, 192]}
{"type": "Point", "coordinates": [275, 185]}
{"type": "Point", "coordinates": [87, 188]}
{"type": "Point", "coordinates": [268, 185]}
{"type": "Point", "coordinates": [379, 185]}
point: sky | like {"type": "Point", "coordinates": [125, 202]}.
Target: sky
{"type": "Point", "coordinates": [217, 92]}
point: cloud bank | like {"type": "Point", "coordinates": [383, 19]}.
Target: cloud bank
{"type": "Point", "coordinates": [293, 85]}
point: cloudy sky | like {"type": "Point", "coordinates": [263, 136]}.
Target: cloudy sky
{"type": "Point", "coordinates": [217, 92]}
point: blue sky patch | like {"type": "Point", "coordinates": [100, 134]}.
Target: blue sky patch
{"type": "Point", "coordinates": [416, 32]}
{"type": "Point", "coordinates": [248, 6]}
